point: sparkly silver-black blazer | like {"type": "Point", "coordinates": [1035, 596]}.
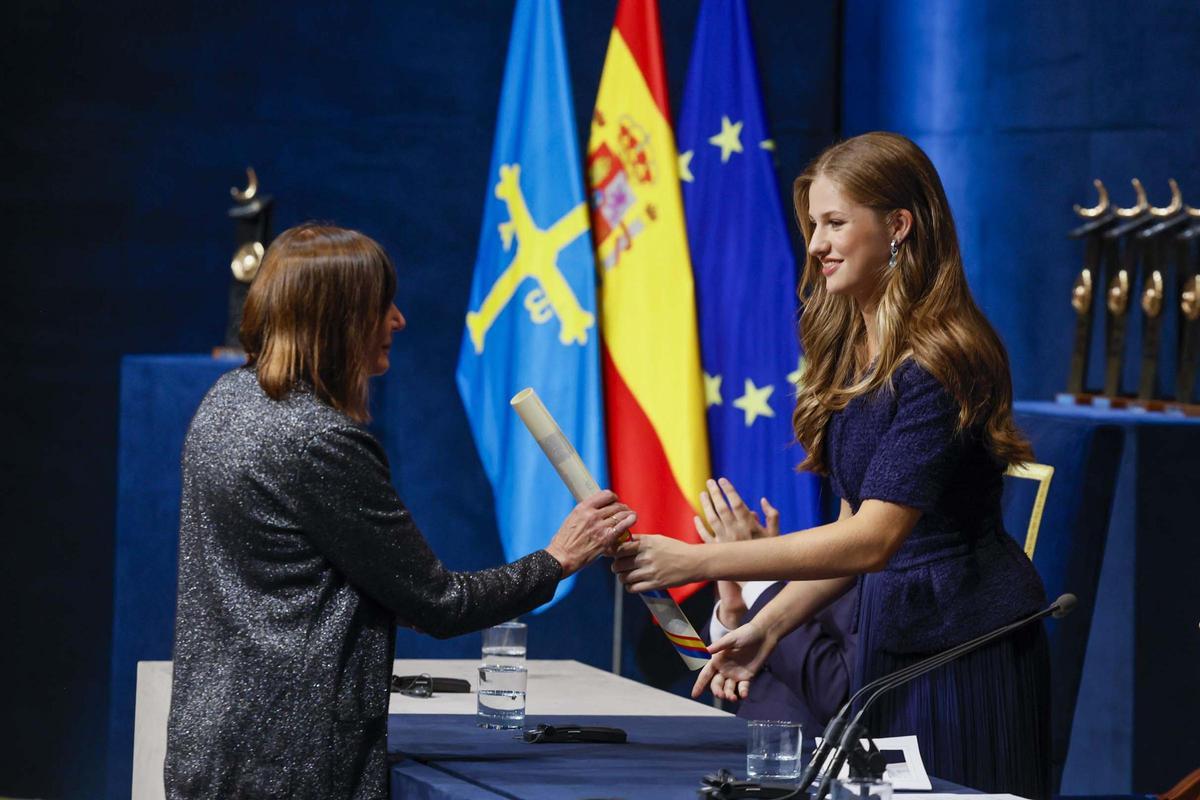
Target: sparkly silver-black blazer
{"type": "Point", "coordinates": [296, 559]}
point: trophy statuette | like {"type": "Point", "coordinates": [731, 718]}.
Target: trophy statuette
{"type": "Point", "coordinates": [252, 234]}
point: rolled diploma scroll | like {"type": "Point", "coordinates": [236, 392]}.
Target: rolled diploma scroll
{"type": "Point", "coordinates": [575, 475]}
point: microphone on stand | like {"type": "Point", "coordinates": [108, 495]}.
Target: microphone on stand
{"type": "Point", "coordinates": [841, 737]}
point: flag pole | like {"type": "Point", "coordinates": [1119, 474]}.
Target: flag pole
{"type": "Point", "coordinates": [618, 622]}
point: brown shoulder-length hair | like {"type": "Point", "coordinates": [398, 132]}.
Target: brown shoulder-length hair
{"type": "Point", "coordinates": [924, 309]}
{"type": "Point", "coordinates": [314, 310]}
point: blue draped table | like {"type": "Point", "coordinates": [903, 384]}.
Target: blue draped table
{"type": "Point", "coordinates": [1134, 723]}
{"type": "Point", "coordinates": [446, 757]}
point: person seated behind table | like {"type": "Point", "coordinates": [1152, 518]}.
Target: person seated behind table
{"type": "Point", "coordinates": [297, 558]}
{"type": "Point", "coordinates": [906, 404]}
{"type": "Point", "coordinates": [806, 678]}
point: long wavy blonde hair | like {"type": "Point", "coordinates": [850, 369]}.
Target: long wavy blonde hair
{"type": "Point", "coordinates": [924, 309]}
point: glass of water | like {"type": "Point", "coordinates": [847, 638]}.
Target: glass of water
{"type": "Point", "coordinates": [772, 750]}
{"type": "Point", "coordinates": [505, 644]}
{"type": "Point", "coordinates": [501, 696]}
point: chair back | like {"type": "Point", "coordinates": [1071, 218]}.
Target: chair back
{"type": "Point", "coordinates": [1042, 474]}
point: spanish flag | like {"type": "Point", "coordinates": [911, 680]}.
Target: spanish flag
{"type": "Point", "coordinates": [653, 392]}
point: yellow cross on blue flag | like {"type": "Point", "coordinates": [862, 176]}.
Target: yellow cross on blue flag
{"type": "Point", "coordinates": [744, 267]}
{"type": "Point", "coordinates": [531, 319]}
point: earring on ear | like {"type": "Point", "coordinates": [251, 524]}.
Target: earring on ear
{"type": "Point", "coordinates": [895, 254]}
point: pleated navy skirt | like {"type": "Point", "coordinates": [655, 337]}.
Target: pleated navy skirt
{"type": "Point", "coordinates": [982, 721]}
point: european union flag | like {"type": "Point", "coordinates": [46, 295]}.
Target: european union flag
{"type": "Point", "coordinates": [744, 267]}
{"type": "Point", "coordinates": [532, 316]}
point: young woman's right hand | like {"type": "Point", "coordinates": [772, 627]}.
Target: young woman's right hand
{"type": "Point", "coordinates": [737, 658]}
{"type": "Point", "coordinates": [729, 519]}
{"type": "Point", "coordinates": [590, 529]}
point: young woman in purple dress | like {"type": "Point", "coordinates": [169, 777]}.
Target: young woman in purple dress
{"type": "Point", "coordinates": [906, 404]}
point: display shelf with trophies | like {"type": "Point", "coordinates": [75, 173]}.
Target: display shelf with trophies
{"type": "Point", "coordinates": [1139, 261]}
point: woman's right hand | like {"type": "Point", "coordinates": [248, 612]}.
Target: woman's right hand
{"type": "Point", "coordinates": [729, 519]}
{"type": "Point", "coordinates": [737, 658]}
{"type": "Point", "coordinates": [589, 530]}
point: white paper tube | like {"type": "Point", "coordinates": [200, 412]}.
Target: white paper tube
{"type": "Point", "coordinates": [579, 481]}
{"type": "Point", "coordinates": [555, 444]}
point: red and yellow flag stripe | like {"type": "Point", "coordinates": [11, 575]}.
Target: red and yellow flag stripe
{"type": "Point", "coordinates": [654, 393]}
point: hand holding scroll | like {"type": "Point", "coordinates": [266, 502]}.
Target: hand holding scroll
{"type": "Point", "coordinates": [591, 529]}
{"type": "Point", "coordinates": [648, 562]}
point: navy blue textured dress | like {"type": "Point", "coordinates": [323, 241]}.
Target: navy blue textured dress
{"type": "Point", "coordinates": [983, 720]}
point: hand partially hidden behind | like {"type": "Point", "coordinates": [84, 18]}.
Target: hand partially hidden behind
{"type": "Point", "coordinates": [590, 529]}
{"type": "Point", "coordinates": [729, 518]}
{"type": "Point", "coordinates": [737, 658]}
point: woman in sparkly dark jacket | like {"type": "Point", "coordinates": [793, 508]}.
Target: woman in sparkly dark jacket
{"type": "Point", "coordinates": [296, 557]}
{"type": "Point", "coordinates": [906, 404]}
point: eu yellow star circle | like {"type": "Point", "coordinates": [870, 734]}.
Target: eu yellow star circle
{"type": "Point", "coordinates": [754, 402]}
{"type": "Point", "coordinates": [685, 166]}
{"type": "Point", "coordinates": [712, 390]}
{"type": "Point", "coordinates": [729, 139]}
{"type": "Point", "coordinates": [795, 376]}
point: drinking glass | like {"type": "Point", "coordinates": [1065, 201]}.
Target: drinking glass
{"type": "Point", "coordinates": [504, 644]}
{"type": "Point", "coordinates": [501, 696]}
{"type": "Point", "coordinates": [772, 750]}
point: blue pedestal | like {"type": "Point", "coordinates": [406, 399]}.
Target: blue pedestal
{"type": "Point", "coordinates": [1134, 720]}
{"type": "Point", "coordinates": [159, 394]}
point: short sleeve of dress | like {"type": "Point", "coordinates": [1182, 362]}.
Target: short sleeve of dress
{"type": "Point", "coordinates": [920, 449]}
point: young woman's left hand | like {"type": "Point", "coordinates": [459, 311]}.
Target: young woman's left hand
{"type": "Point", "coordinates": [728, 516]}
{"type": "Point", "coordinates": [655, 562]}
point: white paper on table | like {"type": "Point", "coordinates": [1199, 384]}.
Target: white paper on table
{"type": "Point", "coordinates": [943, 796]}
{"type": "Point", "coordinates": [908, 774]}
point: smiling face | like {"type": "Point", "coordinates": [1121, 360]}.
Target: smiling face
{"type": "Point", "coordinates": [852, 241]}
{"type": "Point", "coordinates": [393, 322]}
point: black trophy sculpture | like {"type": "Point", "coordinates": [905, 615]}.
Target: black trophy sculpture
{"type": "Point", "coordinates": [1154, 242]}
{"type": "Point", "coordinates": [1121, 284]}
{"type": "Point", "coordinates": [1083, 294]}
{"type": "Point", "coordinates": [252, 234]}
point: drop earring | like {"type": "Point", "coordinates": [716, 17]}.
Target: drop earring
{"type": "Point", "coordinates": [895, 254]}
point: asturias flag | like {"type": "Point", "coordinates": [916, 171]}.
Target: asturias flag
{"type": "Point", "coordinates": [653, 392]}
{"type": "Point", "coordinates": [745, 270]}
{"type": "Point", "coordinates": [532, 314]}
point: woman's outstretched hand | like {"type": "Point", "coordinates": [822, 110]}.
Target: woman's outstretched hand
{"type": "Point", "coordinates": [737, 658]}
{"type": "Point", "coordinates": [729, 518]}
{"type": "Point", "coordinates": [655, 562]}
{"type": "Point", "coordinates": [590, 529]}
